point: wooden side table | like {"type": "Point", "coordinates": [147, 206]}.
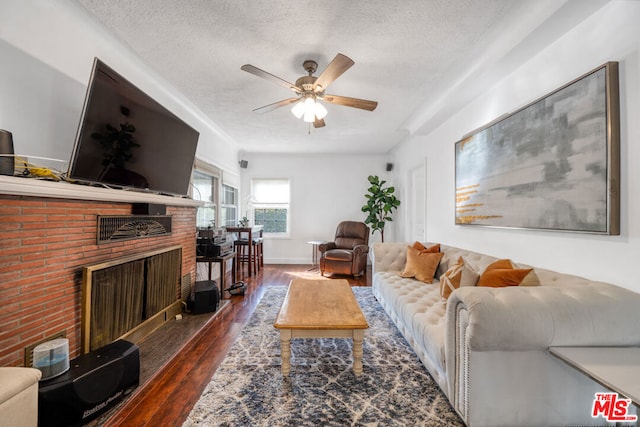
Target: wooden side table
{"type": "Point", "coordinates": [222, 260]}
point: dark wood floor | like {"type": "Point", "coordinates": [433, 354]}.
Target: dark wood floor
{"type": "Point", "coordinates": [167, 398]}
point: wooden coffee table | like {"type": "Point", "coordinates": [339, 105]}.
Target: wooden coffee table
{"type": "Point", "coordinates": [320, 309]}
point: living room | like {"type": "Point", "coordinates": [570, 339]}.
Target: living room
{"type": "Point", "coordinates": [48, 49]}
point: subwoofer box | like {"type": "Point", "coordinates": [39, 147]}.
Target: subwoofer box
{"type": "Point", "coordinates": [205, 296]}
{"type": "Point", "coordinates": [95, 382]}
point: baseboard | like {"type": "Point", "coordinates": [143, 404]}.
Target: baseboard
{"type": "Point", "coordinates": [285, 261]}
{"type": "Point", "coordinates": [268, 260]}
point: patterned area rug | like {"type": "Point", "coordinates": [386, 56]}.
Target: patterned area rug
{"type": "Point", "coordinates": [394, 390]}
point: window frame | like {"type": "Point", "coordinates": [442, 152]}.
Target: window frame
{"type": "Point", "coordinates": [253, 205]}
{"type": "Point", "coordinates": [214, 173]}
{"type": "Point", "coordinates": [224, 205]}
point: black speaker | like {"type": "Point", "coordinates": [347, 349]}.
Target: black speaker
{"type": "Point", "coordinates": [389, 167]}
{"type": "Point", "coordinates": [244, 164]}
{"type": "Point", "coordinates": [205, 296]}
{"type": "Point", "coordinates": [7, 161]}
{"type": "Point", "coordinates": [148, 209]}
{"type": "Point", "coordinates": [95, 382]}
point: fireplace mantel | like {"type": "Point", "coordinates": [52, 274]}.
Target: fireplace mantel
{"type": "Point", "coordinates": [49, 232]}
{"type": "Point", "coordinates": [33, 187]}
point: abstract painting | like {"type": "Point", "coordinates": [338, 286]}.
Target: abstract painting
{"type": "Point", "coordinates": [553, 164]}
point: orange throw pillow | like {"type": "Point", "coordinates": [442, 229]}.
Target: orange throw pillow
{"type": "Point", "coordinates": [458, 275]}
{"type": "Point", "coordinates": [431, 249]}
{"type": "Point", "coordinates": [500, 264]}
{"type": "Point", "coordinates": [501, 274]}
{"type": "Point", "coordinates": [421, 264]}
{"type": "Point", "coordinates": [502, 277]}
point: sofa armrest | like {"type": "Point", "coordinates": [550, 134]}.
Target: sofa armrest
{"type": "Point", "coordinates": [19, 396]}
{"type": "Point", "coordinates": [538, 317]}
{"type": "Point", "coordinates": [388, 256]}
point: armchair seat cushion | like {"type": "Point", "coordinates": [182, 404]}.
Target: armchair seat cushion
{"type": "Point", "coordinates": [343, 255]}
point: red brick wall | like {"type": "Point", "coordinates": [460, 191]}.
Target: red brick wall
{"type": "Point", "coordinates": [44, 244]}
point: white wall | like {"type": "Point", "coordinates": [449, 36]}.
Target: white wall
{"type": "Point", "coordinates": [325, 189]}
{"type": "Point", "coordinates": [47, 50]}
{"type": "Point", "coordinates": [611, 34]}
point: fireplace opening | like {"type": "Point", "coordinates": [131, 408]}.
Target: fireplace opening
{"type": "Point", "coordinates": [128, 298]}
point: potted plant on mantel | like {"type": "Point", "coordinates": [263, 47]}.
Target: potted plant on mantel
{"type": "Point", "coordinates": [380, 204]}
{"type": "Point", "coordinates": [117, 147]}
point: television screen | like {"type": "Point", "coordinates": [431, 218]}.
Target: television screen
{"type": "Point", "coordinates": [127, 140]}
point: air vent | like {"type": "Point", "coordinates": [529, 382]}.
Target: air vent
{"type": "Point", "coordinates": [115, 228]}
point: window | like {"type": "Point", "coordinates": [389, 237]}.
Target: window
{"type": "Point", "coordinates": [270, 205]}
{"type": "Point", "coordinates": [205, 189]}
{"type": "Point", "coordinates": [229, 206]}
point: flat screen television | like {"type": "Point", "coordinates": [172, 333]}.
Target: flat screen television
{"type": "Point", "coordinates": [125, 139]}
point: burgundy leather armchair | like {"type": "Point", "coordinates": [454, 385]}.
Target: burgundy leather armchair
{"type": "Point", "coordinates": [347, 254]}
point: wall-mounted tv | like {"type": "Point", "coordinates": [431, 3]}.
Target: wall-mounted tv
{"type": "Point", "coordinates": [127, 140]}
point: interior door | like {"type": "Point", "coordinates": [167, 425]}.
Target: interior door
{"type": "Point", "coordinates": [417, 203]}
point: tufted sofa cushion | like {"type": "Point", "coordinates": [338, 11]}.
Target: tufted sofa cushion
{"type": "Point", "coordinates": [421, 308]}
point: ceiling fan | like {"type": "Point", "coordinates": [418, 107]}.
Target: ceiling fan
{"type": "Point", "coordinates": [310, 89]}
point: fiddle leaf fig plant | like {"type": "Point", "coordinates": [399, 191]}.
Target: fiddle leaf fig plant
{"type": "Point", "coordinates": [380, 204]}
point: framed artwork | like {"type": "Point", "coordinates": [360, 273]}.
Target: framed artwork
{"type": "Point", "coordinates": [551, 165]}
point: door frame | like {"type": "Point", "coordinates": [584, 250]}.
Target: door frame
{"type": "Point", "coordinates": [411, 205]}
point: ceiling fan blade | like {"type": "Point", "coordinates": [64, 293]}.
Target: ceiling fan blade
{"type": "Point", "coordinates": [275, 105]}
{"type": "Point", "coordinates": [318, 123]}
{"type": "Point", "coordinates": [363, 104]}
{"type": "Point", "coordinates": [339, 65]}
{"type": "Point", "coordinates": [268, 76]}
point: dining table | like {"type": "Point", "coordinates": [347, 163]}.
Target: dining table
{"type": "Point", "coordinates": [250, 232]}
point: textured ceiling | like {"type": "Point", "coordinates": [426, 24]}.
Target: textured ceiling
{"type": "Point", "coordinates": [407, 54]}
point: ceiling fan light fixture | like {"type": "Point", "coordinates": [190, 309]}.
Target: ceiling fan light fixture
{"type": "Point", "coordinates": [320, 111]}
{"type": "Point", "coordinates": [309, 109]}
{"type": "Point", "coordinates": [309, 116]}
{"type": "Point", "coordinates": [309, 104]}
{"type": "Point", "coordinates": [298, 109]}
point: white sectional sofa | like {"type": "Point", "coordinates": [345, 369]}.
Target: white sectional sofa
{"type": "Point", "coordinates": [487, 348]}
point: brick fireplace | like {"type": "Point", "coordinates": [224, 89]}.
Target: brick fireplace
{"type": "Point", "coordinates": [46, 241]}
